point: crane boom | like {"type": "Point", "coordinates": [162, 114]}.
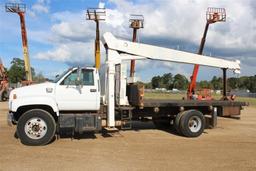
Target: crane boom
{"type": "Point", "coordinates": [119, 50]}
{"type": "Point", "coordinates": [166, 54]}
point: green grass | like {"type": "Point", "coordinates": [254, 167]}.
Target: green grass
{"type": "Point", "coordinates": [179, 96]}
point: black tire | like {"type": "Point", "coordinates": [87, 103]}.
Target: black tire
{"type": "Point", "coordinates": [177, 122]}
{"type": "Point", "coordinates": [192, 123]}
{"type": "Point", "coordinates": [39, 122]}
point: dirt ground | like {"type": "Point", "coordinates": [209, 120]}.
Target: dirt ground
{"type": "Point", "coordinates": [230, 146]}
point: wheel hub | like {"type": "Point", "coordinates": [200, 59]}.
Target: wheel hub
{"type": "Point", "coordinates": [35, 128]}
{"type": "Point", "coordinates": [194, 124]}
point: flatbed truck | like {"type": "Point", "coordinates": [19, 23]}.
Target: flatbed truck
{"type": "Point", "coordinates": [83, 98]}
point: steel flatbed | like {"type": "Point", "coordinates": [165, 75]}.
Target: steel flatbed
{"type": "Point", "coordinates": [190, 103]}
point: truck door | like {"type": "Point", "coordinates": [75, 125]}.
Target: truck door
{"type": "Point", "coordinates": [72, 94]}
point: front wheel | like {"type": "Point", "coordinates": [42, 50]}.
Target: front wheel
{"type": "Point", "coordinates": [36, 127]}
{"type": "Point", "coordinates": [192, 123]}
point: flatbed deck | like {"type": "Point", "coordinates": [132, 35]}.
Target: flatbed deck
{"type": "Point", "coordinates": [181, 103]}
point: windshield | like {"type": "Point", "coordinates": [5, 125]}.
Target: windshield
{"type": "Point", "coordinates": [58, 77]}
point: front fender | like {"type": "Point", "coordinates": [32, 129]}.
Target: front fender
{"type": "Point", "coordinates": [27, 101]}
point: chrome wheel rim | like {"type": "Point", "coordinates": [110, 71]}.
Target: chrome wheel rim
{"type": "Point", "coordinates": [35, 128]}
{"type": "Point", "coordinates": [194, 124]}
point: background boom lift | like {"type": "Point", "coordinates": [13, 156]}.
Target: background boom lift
{"type": "Point", "coordinates": [20, 9]}
{"type": "Point", "coordinates": [97, 15]}
{"type": "Point", "coordinates": [136, 22]}
{"type": "Point", "coordinates": [213, 15]}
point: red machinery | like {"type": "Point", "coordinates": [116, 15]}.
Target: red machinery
{"type": "Point", "coordinates": [136, 22]}
{"type": "Point", "coordinates": [20, 9]}
{"type": "Point", "coordinates": [213, 15]}
{"type": "Point", "coordinates": [4, 84]}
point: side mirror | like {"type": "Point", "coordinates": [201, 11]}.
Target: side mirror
{"type": "Point", "coordinates": [78, 82]}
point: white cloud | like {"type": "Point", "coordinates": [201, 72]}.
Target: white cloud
{"type": "Point", "coordinates": [39, 7]}
{"type": "Point", "coordinates": [168, 20]}
{"type": "Point", "coordinates": [101, 5]}
{"type": "Point", "coordinates": [72, 53]}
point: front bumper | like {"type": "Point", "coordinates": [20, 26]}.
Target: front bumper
{"type": "Point", "coordinates": [10, 119]}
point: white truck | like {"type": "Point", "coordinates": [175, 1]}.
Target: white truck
{"type": "Point", "coordinates": [80, 99]}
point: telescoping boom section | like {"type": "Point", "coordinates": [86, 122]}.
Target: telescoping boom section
{"type": "Point", "coordinates": [119, 50]}
{"type": "Point", "coordinates": [140, 51]}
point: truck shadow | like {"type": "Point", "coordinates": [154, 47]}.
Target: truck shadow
{"type": "Point", "coordinates": [63, 133]}
{"type": "Point", "coordinates": [137, 126]}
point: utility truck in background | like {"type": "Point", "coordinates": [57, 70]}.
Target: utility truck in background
{"type": "Point", "coordinates": [86, 99]}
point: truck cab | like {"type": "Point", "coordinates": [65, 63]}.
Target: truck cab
{"type": "Point", "coordinates": [75, 91]}
{"type": "Point", "coordinates": [78, 90]}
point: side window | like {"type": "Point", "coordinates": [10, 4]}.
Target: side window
{"type": "Point", "coordinates": [87, 77]}
{"type": "Point", "coordinates": [70, 79]}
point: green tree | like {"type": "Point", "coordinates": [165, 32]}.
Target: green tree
{"type": "Point", "coordinates": [16, 72]}
{"type": "Point", "coordinates": [156, 82]}
{"type": "Point", "coordinates": [148, 85]}
{"type": "Point", "coordinates": [204, 84]}
{"type": "Point", "coordinates": [233, 83]}
{"type": "Point", "coordinates": [250, 83]}
{"type": "Point", "coordinates": [167, 80]}
{"type": "Point", "coordinates": [243, 82]}
{"type": "Point", "coordinates": [216, 83]}
{"type": "Point", "coordinates": [180, 82]}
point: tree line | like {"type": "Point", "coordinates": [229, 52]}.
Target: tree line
{"type": "Point", "coordinates": [16, 73]}
{"type": "Point", "coordinates": [180, 82]}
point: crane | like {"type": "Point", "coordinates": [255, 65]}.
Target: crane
{"type": "Point", "coordinates": [213, 15]}
{"type": "Point", "coordinates": [20, 9]}
{"type": "Point", "coordinates": [120, 50]}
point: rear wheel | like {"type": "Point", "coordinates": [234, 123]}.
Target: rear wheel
{"type": "Point", "coordinates": [192, 123]}
{"type": "Point", "coordinates": [36, 127]}
{"type": "Point", "coordinates": [177, 122]}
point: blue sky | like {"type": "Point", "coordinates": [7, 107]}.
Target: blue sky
{"type": "Point", "coordinates": [59, 35]}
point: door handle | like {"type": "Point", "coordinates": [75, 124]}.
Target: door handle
{"type": "Point", "coordinates": [92, 90]}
